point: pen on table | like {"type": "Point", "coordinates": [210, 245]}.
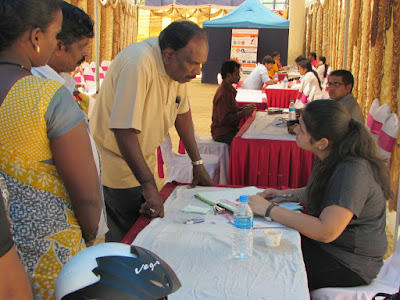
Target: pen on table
{"type": "Point", "coordinates": [194, 221]}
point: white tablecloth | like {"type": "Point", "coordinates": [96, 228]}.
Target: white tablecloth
{"type": "Point", "coordinates": [201, 256]}
{"type": "Point", "coordinates": [254, 96]}
{"type": "Point", "coordinates": [262, 128]}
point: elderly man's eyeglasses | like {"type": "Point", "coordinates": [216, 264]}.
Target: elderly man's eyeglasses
{"type": "Point", "coordinates": [335, 84]}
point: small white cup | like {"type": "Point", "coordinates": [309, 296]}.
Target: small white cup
{"type": "Point", "coordinates": [272, 237]}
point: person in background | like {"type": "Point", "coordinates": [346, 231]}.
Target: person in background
{"type": "Point", "coordinates": [14, 284]}
{"type": "Point", "coordinates": [259, 76]}
{"type": "Point", "coordinates": [340, 85]}
{"type": "Point", "coordinates": [312, 80]}
{"type": "Point", "coordinates": [141, 98]}
{"type": "Point", "coordinates": [322, 69]}
{"type": "Point", "coordinates": [299, 59]}
{"type": "Point", "coordinates": [47, 159]}
{"type": "Point", "coordinates": [312, 57]}
{"type": "Point", "coordinates": [70, 52]}
{"type": "Point", "coordinates": [277, 65]}
{"type": "Point", "coordinates": [226, 113]}
{"type": "Point", "coordinates": [343, 233]}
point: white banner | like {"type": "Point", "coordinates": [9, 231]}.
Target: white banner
{"type": "Point", "coordinates": [244, 49]}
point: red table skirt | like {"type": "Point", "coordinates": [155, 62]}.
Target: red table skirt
{"type": "Point", "coordinates": [280, 97]}
{"type": "Point", "coordinates": [269, 163]}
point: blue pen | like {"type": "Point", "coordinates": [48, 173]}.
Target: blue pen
{"type": "Point", "coordinates": [194, 221]}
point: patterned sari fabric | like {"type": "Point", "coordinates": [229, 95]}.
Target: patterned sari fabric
{"type": "Point", "coordinates": [46, 232]}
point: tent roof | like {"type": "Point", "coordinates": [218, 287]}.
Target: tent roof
{"type": "Point", "coordinates": [251, 14]}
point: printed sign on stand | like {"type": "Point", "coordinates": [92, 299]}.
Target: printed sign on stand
{"type": "Point", "coordinates": [244, 49]}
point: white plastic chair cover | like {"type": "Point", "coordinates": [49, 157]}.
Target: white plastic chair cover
{"type": "Point", "coordinates": [90, 81]}
{"type": "Point", "coordinates": [93, 66]}
{"type": "Point", "coordinates": [387, 281]}
{"type": "Point", "coordinates": [374, 107]}
{"type": "Point", "coordinates": [380, 117]}
{"type": "Point", "coordinates": [84, 65]}
{"type": "Point", "coordinates": [387, 137]}
{"type": "Point", "coordinates": [179, 166]}
{"type": "Point", "coordinates": [219, 78]}
{"type": "Point", "coordinates": [207, 145]}
{"type": "Point", "coordinates": [104, 65]}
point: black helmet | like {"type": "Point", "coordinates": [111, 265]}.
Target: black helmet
{"type": "Point", "coordinates": [116, 271]}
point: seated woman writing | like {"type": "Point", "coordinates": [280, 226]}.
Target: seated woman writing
{"type": "Point", "coordinates": [343, 233]}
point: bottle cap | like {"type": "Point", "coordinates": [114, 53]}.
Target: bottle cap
{"type": "Point", "coordinates": [244, 199]}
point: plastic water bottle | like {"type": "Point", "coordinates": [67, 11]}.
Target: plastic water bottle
{"type": "Point", "coordinates": [276, 76]}
{"type": "Point", "coordinates": [285, 83]}
{"type": "Point", "coordinates": [292, 111]}
{"type": "Point", "coordinates": [243, 232]}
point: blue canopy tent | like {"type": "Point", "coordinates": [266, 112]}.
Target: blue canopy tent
{"type": "Point", "coordinates": [272, 36]}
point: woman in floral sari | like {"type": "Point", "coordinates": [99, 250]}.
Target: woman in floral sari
{"type": "Point", "coordinates": [46, 154]}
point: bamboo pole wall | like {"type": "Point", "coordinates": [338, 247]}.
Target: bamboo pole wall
{"type": "Point", "coordinates": [373, 54]}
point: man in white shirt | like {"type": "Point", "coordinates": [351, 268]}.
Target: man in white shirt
{"type": "Point", "coordinates": [71, 50]}
{"type": "Point", "coordinates": [259, 76]}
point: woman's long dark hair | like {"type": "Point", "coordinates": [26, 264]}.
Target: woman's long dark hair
{"type": "Point", "coordinates": [347, 137]}
{"type": "Point", "coordinates": [306, 64]}
{"type": "Point", "coordinates": [323, 59]}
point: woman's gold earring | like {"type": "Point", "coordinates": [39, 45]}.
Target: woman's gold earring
{"type": "Point", "coordinates": [37, 49]}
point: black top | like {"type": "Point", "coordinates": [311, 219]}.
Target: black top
{"type": "Point", "coordinates": [363, 243]}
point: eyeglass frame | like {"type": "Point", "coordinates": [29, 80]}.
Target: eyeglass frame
{"type": "Point", "coordinates": [335, 84]}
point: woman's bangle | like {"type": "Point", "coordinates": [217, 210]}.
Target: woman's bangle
{"type": "Point", "coordinates": [268, 211]}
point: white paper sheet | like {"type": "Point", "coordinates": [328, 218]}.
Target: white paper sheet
{"type": "Point", "coordinates": [244, 95]}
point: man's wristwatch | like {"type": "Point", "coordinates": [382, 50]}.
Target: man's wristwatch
{"type": "Point", "coordinates": [198, 162]}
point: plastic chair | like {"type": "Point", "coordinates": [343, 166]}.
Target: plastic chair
{"type": "Point", "coordinates": [207, 145]}
{"type": "Point", "coordinates": [105, 65]}
{"type": "Point", "coordinates": [179, 166]}
{"type": "Point", "coordinates": [90, 81]}
{"type": "Point", "coordinates": [219, 78]}
{"type": "Point", "coordinates": [93, 66]}
{"type": "Point", "coordinates": [387, 281]}
{"type": "Point", "coordinates": [84, 65]}
{"type": "Point", "coordinates": [387, 137]}
{"type": "Point", "coordinates": [372, 111]}
{"type": "Point", "coordinates": [380, 117]}
{"type": "Point", "coordinates": [79, 78]}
